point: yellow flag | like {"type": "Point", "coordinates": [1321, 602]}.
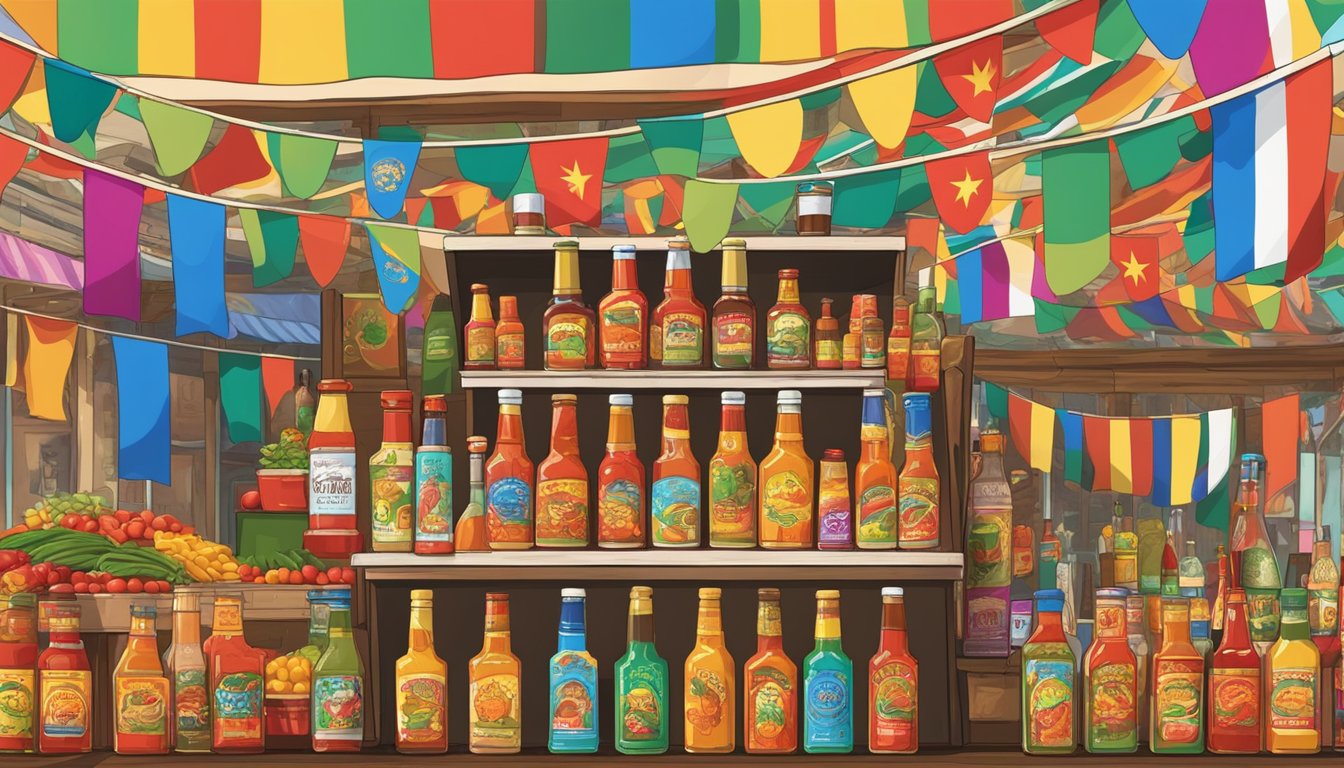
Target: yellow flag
{"type": "Point", "coordinates": [303, 42]}
{"type": "Point", "coordinates": [886, 102]}
{"type": "Point", "coordinates": [768, 136]}
{"type": "Point", "coordinates": [51, 347]}
{"type": "Point", "coordinates": [11, 349]}
{"type": "Point", "coordinates": [167, 37]}
{"type": "Point", "coordinates": [1184, 455]}
{"type": "Point", "coordinates": [790, 30]}
{"type": "Point", "coordinates": [1122, 465]}
{"type": "Point", "coordinates": [869, 24]}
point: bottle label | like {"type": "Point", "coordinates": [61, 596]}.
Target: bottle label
{"type": "Point", "coordinates": [623, 332]}
{"type": "Point", "coordinates": [732, 502]}
{"type": "Point", "coordinates": [433, 496]}
{"type": "Point", "coordinates": [141, 705]}
{"type": "Point", "coordinates": [1323, 611]}
{"type": "Point", "coordinates": [1234, 700]}
{"type": "Point", "coordinates": [338, 707]}
{"type": "Point", "coordinates": [918, 510]}
{"type": "Point", "coordinates": [683, 338]}
{"type": "Point", "coordinates": [1262, 613]}
{"type": "Point", "coordinates": [391, 485]}
{"type": "Point", "coordinates": [655, 341]}
{"type": "Point", "coordinates": [567, 338]}
{"type": "Point", "coordinates": [926, 365]}
{"type": "Point", "coordinates": [987, 621]}
{"type": "Point", "coordinates": [573, 694]}
{"type": "Point", "coordinates": [828, 353]}
{"type": "Point", "coordinates": [481, 345]}
{"type": "Point", "coordinates": [705, 700]}
{"type": "Point", "coordinates": [676, 510]}
{"type": "Point", "coordinates": [787, 499]}
{"type": "Point", "coordinates": [895, 702]}
{"type": "Point", "coordinates": [1178, 700]}
{"type": "Point", "coordinates": [1049, 686]}
{"type": "Point", "coordinates": [331, 484]}
{"type": "Point", "coordinates": [1112, 709]}
{"type": "Point", "coordinates": [508, 511]}
{"type": "Point", "coordinates": [733, 339]}
{"type": "Point", "coordinates": [641, 699]}
{"type": "Point", "coordinates": [620, 512]}
{"type": "Point", "coordinates": [65, 702]}
{"type": "Point", "coordinates": [440, 345]}
{"type": "Point", "coordinates": [828, 706]}
{"type": "Point", "coordinates": [835, 518]}
{"type": "Point", "coordinates": [989, 545]}
{"type": "Point", "coordinates": [788, 339]}
{"type": "Point", "coordinates": [1110, 621]}
{"type": "Point", "coordinates": [509, 350]}
{"type": "Point", "coordinates": [872, 352]}
{"type": "Point", "coordinates": [191, 706]}
{"type": "Point", "coordinates": [421, 717]}
{"type": "Point", "coordinates": [898, 358]}
{"type": "Point", "coordinates": [877, 514]}
{"type": "Point", "coordinates": [1292, 697]}
{"type": "Point", "coordinates": [770, 708]}
{"type": "Point", "coordinates": [17, 699]}
{"type": "Point", "coordinates": [238, 707]}
{"type": "Point", "coordinates": [1019, 626]}
{"type": "Point", "coordinates": [562, 513]}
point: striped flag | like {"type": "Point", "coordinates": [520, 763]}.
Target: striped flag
{"type": "Point", "coordinates": [1078, 466]}
{"type": "Point", "coordinates": [1032, 426]}
{"type": "Point", "coordinates": [996, 282]}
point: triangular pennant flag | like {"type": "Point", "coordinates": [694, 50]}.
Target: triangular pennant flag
{"type": "Point", "coordinates": [301, 161]}
{"type": "Point", "coordinates": [196, 230]}
{"type": "Point", "coordinates": [962, 187]}
{"type": "Point", "coordinates": [641, 205]}
{"type": "Point", "coordinates": [708, 213]}
{"type": "Point", "coordinates": [886, 104]}
{"type": "Point", "coordinates": [277, 379]}
{"type": "Point", "coordinates": [867, 200]}
{"type": "Point", "coordinates": [569, 175]}
{"type": "Point", "coordinates": [112, 208]}
{"type": "Point", "coordinates": [971, 73]}
{"type": "Point", "coordinates": [272, 238]}
{"type": "Point", "coordinates": [769, 136]}
{"type": "Point", "coordinates": [15, 65]}
{"type": "Point", "coordinates": [1230, 46]}
{"type": "Point", "coordinates": [13, 154]}
{"type": "Point", "coordinates": [177, 134]}
{"type": "Point", "coordinates": [494, 166]}
{"type": "Point", "coordinates": [51, 347]}
{"type": "Point", "coordinates": [325, 240]}
{"type": "Point", "coordinates": [76, 99]}
{"type": "Point", "coordinates": [240, 395]}
{"type": "Point", "coordinates": [1070, 29]}
{"type": "Point", "coordinates": [388, 167]}
{"type": "Point", "coordinates": [144, 439]}
{"type": "Point", "coordinates": [235, 159]}
{"type": "Point", "coordinates": [674, 145]}
{"type": "Point", "coordinates": [1171, 26]}
{"type": "Point", "coordinates": [396, 260]}
{"type": "Point", "coordinates": [1075, 182]}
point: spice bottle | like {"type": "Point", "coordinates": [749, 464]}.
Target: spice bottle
{"type": "Point", "coordinates": [734, 313]}
{"type": "Point", "coordinates": [814, 208]}
{"type": "Point", "coordinates": [509, 348]}
{"type": "Point", "coordinates": [480, 331]}
{"type": "Point", "coordinates": [827, 350]}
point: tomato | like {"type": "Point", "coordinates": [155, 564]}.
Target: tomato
{"type": "Point", "coordinates": [296, 577]}
{"type": "Point", "coordinates": [309, 572]}
{"type": "Point", "coordinates": [82, 587]}
{"type": "Point", "coordinates": [134, 584]}
{"type": "Point", "coordinates": [95, 588]}
{"type": "Point", "coordinates": [62, 589]}
{"type": "Point", "coordinates": [152, 587]}
{"type": "Point", "coordinates": [348, 575]}
{"type": "Point", "coordinates": [250, 500]}
{"type": "Point", "coordinates": [116, 586]}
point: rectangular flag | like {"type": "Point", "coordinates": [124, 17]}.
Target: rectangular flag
{"type": "Point", "coordinates": [996, 282]}
{"type": "Point", "coordinates": [196, 232]}
{"type": "Point", "coordinates": [112, 245]}
{"type": "Point", "coordinates": [144, 448]}
{"type": "Point", "coordinates": [1077, 467]}
{"type": "Point", "coordinates": [240, 395]}
{"type": "Point", "coordinates": [1279, 424]}
{"type": "Point", "coordinates": [51, 347]}
{"type": "Point", "coordinates": [1032, 426]}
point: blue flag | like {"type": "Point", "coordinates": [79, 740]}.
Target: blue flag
{"type": "Point", "coordinates": [196, 231]}
{"type": "Point", "coordinates": [388, 166]}
{"type": "Point", "coordinates": [143, 436]}
{"type": "Point", "coordinates": [1171, 26]}
{"type": "Point", "coordinates": [396, 259]}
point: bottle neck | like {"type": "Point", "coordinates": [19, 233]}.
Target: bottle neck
{"type": "Point", "coordinates": [734, 275]}
{"type": "Point", "coordinates": [396, 426]}
{"type": "Point", "coordinates": [573, 633]}
{"type": "Point", "coordinates": [789, 424]}
{"type": "Point", "coordinates": [1295, 626]}
{"type": "Point", "coordinates": [338, 626]}
{"type": "Point", "coordinates": [567, 273]}
{"type": "Point", "coordinates": [991, 464]}
{"type": "Point", "coordinates": [186, 627]}
{"type": "Point", "coordinates": [623, 275]}
{"type": "Point", "coordinates": [768, 625]}
{"type": "Point", "coordinates": [893, 626]}
{"type": "Point", "coordinates": [788, 291]}
{"type": "Point", "coordinates": [476, 471]}
{"type": "Point", "coordinates": [639, 628]}
{"type": "Point", "coordinates": [733, 419]}
{"type": "Point", "coordinates": [510, 428]}
{"type": "Point", "coordinates": [827, 632]}
{"type": "Point", "coordinates": [621, 429]}
{"type": "Point", "coordinates": [1175, 625]}
{"type": "Point", "coordinates": [676, 429]}
{"type": "Point", "coordinates": [709, 623]}
{"type": "Point", "coordinates": [677, 281]}
{"type": "Point", "coordinates": [434, 431]}
{"type": "Point", "coordinates": [927, 302]}
{"type": "Point", "coordinates": [480, 308]}
{"type": "Point", "coordinates": [564, 429]}
{"type": "Point", "coordinates": [496, 626]}
{"type": "Point", "coordinates": [142, 628]}
{"type": "Point", "coordinates": [421, 638]}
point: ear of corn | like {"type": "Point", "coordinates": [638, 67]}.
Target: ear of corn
{"type": "Point", "coordinates": [202, 559]}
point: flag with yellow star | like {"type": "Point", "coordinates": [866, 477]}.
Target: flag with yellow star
{"type": "Point", "coordinates": [569, 175]}
{"type": "Point", "coordinates": [1137, 259]}
{"type": "Point", "coordinates": [971, 74]}
{"type": "Point", "coordinates": [961, 187]}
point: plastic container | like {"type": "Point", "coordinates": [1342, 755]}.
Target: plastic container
{"type": "Point", "coordinates": [283, 490]}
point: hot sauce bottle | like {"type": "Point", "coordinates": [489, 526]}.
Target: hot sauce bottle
{"type": "Point", "coordinates": [1293, 682]}
{"type": "Point", "coordinates": [872, 336]}
{"type": "Point", "coordinates": [898, 342]}
{"type": "Point", "coordinates": [678, 328]}
{"type": "Point", "coordinates": [480, 331]}
{"type": "Point", "coordinates": [140, 690]}
{"type": "Point", "coordinates": [332, 476]}
{"type": "Point", "coordinates": [835, 512]}
{"type": "Point", "coordinates": [509, 346]}
{"type": "Point", "coordinates": [828, 684]}
{"type": "Point", "coordinates": [1049, 690]}
{"type": "Point", "coordinates": [734, 313]}
{"type": "Point", "coordinates": [562, 481]}
{"type": "Point", "coordinates": [641, 684]}
{"type": "Point", "coordinates": [624, 315]}
{"type": "Point", "coordinates": [787, 481]}
{"type": "Point", "coordinates": [508, 479]}
{"type": "Point", "coordinates": [1235, 685]}
{"type": "Point", "coordinates": [421, 685]}
{"type": "Point", "coordinates": [710, 693]}
{"type": "Point", "coordinates": [65, 687]}
{"type": "Point", "coordinates": [392, 476]}
{"type": "Point", "coordinates": [732, 479]}
{"type": "Point", "coordinates": [189, 675]}
{"type": "Point", "coordinates": [496, 686]}
{"type": "Point", "coordinates": [620, 483]}
{"type": "Point", "coordinates": [770, 679]}
{"type": "Point", "coordinates": [571, 326]}
{"type": "Point", "coordinates": [675, 501]}
{"type": "Point", "coordinates": [1178, 685]}
{"type": "Point", "coordinates": [236, 679]}
{"type": "Point", "coordinates": [573, 683]}
{"type": "Point", "coordinates": [875, 479]}
{"type": "Point", "coordinates": [338, 683]}
{"type": "Point", "coordinates": [826, 351]}
{"type": "Point", "coordinates": [919, 487]}
{"type": "Point", "coordinates": [926, 338]}
{"type": "Point", "coordinates": [788, 327]}
{"type": "Point", "coordinates": [434, 481]}
{"type": "Point", "coordinates": [1110, 681]}
{"type": "Point", "coordinates": [470, 533]}
{"type": "Point", "coordinates": [893, 683]}
{"type": "Point", "coordinates": [850, 352]}
{"type": "Point", "coordinates": [18, 671]}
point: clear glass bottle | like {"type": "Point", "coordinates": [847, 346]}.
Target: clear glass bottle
{"type": "Point", "coordinates": [188, 674]}
{"type": "Point", "coordinates": [1254, 565]}
{"type": "Point", "coordinates": [989, 572]}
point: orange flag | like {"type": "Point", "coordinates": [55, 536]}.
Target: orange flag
{"type": "Point", "coordinates": [277, 378]}
{"type": "Point", "coordinates": [325, 240]}
{"type": "Point", "coordinates": [961, 188]}
{"type": "Point", "coordinates": [971, 74]}
{"type": "Point", "coordinates": [51, 347]}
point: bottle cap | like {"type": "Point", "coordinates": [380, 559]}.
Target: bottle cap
{"type": "Point", "coordinates": [477, 444]}
{"type": "Point", "coordinates": [510, 397]}
{"type": "Point", "coordinates": [733, 398]}
{"type": "Point", "coordinates": [678, 244]}
{"type": "Point", "coordinates": [480, 288]}
{"type": "Point", "coordinates": [1112, 593]}
{"type": "Point", "coordinates": [1293, 597]}
{"type": "Point", "coordinates": [675, 400]}
{"type": "Point", "coordinates": [815, 187]}
{"type": "Point", "coordinates": [508, 307]}
{"type": "Point", "coordinates": [833, 454]}
{"type": "Point", "coordinates": [572, 592]}
{"type": "Point", "coordinates": [768, 593]}
{"type": "Point", "coordinates": [497, 597]}
{"type": "Point", "coordinates": [893, 592]}
{"type": "Point", "coordinates": [422, 594]}
{"type": "Point", "coordinates": [529, 202]}
{"type": "Point", "coordinates": [641, 592]}
{"type": "Point", "coordinates": [1252, 457]}
{"type": "Point", "coordinates": [396, 399]}
{"type": "Point", "coordinates": [623, 252]}
{"type": "Point", "coordinates": [626, 400]}
{"type": "Point", "coordinates": [788, 274]}
{"type": "Point", "coordinates": [875, 393]}
{"type": "Point", "coordinates": [565, 245]}
{"type": "Point", "coordinates": [710, 593]}
{"type": "Point", "coordinates": [789, 396]}
{"type": "Point", "coordinates": [562, 398]}
{"type": "Point", "coordinates": [334, 385]}
{"type": "Point", "coordinates": [828, 594]}
{"type": "Point", "coordinates": [434, 404]}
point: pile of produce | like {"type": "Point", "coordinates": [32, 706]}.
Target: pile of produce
{"type": "Point", "coordinates": [41, 559]}
{"type": "Point", "coordinates": [204, 560]}
{"type": "Point", "coordinates": [48, 511]}
{"type": "Point", "coordinates": [297, 566]}
{"type": "Point", "coordinates": [122, 526]}
{"type": "Point", "coordinates": [290, 452]}
{"type": "Point", "coordinates": [291, 673]}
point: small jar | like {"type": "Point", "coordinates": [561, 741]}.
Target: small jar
{"type": "Point", "coordinates": [814, 208]}
{"type": "Point", "coordinates": [529, 214]}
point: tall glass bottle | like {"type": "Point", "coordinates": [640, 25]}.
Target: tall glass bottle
{"type": "Point", "coordinates": [734, 337]}
{"type": "Point", "coordinates": [678, 328]}
{"type": "Point", "coordinates": [1110, 681]}
{"type": "Point", "coordinates": [236, 681]}
{"type": "Point", "coordinates": [641, 684]}
{"type": "Point", "coordinates": [827, 339]}
{"type": "Point", "coordinates": [434, 481]}
{"type": "Point", "coordinates": [470, 533]}
{"type": "Point", "coordinates": [495, 678]}
{"type": "Point", "coordinates": [18, 671]}
{"type": "Point", "coordinates": [893, 683]}
{"type": "Point", "coordinates": [338, 683]}
{"type": "Point", "coordinates": [675, 501]}
{"type": "Point", "coordinates": [920, 518]}
{"type": "Point", "coordinates": [732, 479]}
{"type": "Point", "coordinates": [926, 338]}
{"type": "Point", "coordinates": [1137, 636]}
{"type": "Point", "coordinates": [1177, 721]}
{"type": "Point", "coordinates": [1171, 569]}
{"type": "Point", "coordinates": [875, 478]}
{"type": "Point", "coordinates": [1323, 600]}
{"type": "Point", "coordinates": [422, 685]}
{"type": "Point", "coordinates": [140, 690]}
{"type": "Point", "coordinates": [509, 479]}
{"type": "Point", "coordinates": [571, 325]}
{"type": "Point", "coordinates": [392, 476]}
{"type": "Point", "coordinates": [65, 687]}
{"type": "Point", "coordinates": [835, 508]}
{"type": "Point", "coordinates": [787, 481]}
{"type": "Point", "coordinates": [1220, 594]}
{"type": "Point", "coordinates": [1050, 552]}
{"type": "Point", "coordinates": [989, 572]}
{"type": "Point", "coordinates": [828, 684]}
{"type": "Point", "coordinates": [573, 683]}
{"type": "Point", "coordinates": [1254, 566]}
{"type": "Point", "coordinates": [510, 339]}
{"type": "Point", "coordinates": [439, 355]}
{"type": "Point", "coordinates": [770, 682]}
{"type": "Point", "coordinates": [1293, 681]}
{"type": "Point", "coordinates": [480, 331]}
{"type": "Point", "coordinates": [898, 343]}
{"type": "Point", "coordinates": [1049, 674]}
{"type": "Point", "coordinates": [624, 315]}
{"type": "Point", "coordinates": [710, 691]}
{"type": "Point", "coordinates": [788, 327]}
{"type": "Point", "coordinates": [562, 481]}
{"type": "Point", "coordinates": [1235, 684]}
{"type": "Point", "coordinates": [305, 405]}
{"type": "Point", "coordinates": [620, 481]}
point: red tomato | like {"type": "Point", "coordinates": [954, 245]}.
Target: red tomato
{"type": "Point", "coordinates": [165, 586]}
{"type": "Point", "coordinates": [146, 516]}
{"type": "Point", "coordinates": [95, 589]}
{"type": "Point", "coordinates": [296, 577]}
{"type": "Point", "coordinates": [135, 530]}
{"type": "Point", "coordinates": [134, 584]}
{"type": "Point", "coordinates": [322, 579]}
{"type": "Point", "coordinates": [250, 500]}
{"type": "Point", "coordinates": [82, 587]}
{"type": "Point", "coordinates": [90, 525]}
{"type": "Point", "coordinates": [119, 536]}
{"type": "Point", "coordinates": [152, 587]}
{"type": "Point", "coordinates": [108, 523]}
{"type": "Point", "coordinates": [116, 586]}
{"type": "Point", "coordinates": [62, 589]}
{"type": "Point", "coordinates": [348, 575]}
{"type": "Point", "coordinates": [309, 572]}
{"type": "Point", "coordinates": [160, 523]}
{"type": "Point", "coordinates": [334, 574]}
{"type": "Point", "coordinates": [175, 527]}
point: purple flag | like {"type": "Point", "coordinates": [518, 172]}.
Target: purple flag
{"type": "Point", "coordinates": [1230, 45]}
{"type": "Point", "coordinates": [112, 245]}
{"type": "Point", "coordinates": [995, 279]}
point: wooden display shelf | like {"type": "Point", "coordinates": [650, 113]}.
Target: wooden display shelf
{"type": "Point", "coordinates": [670, 380]}
{"type": "Point", "coordinates": [663, 565]}
{"type": "Point", "coordinates": [261, 602]}
{"type": "Point", "coordinates": [854, 243]}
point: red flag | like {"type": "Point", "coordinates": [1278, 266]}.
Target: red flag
{"type": "Point", "coordinates": [1071, 29]}
{"type": "Point", "coordinates": [15, 65]}
{"type": "Point", "coordinates": [234, 160]}
{"type": "Point", "coordinates": [1137, 260]}
{"type": "Point", "coordinates": [971, 74]}
{"type": "Point", "coordinates": [13, 154]}
{"type": "Point", "coordinates": [569, 175]}
{"type": "Point", "coordinates": [961, 187]}
{"type": "Point", "coordinates": [1308, 125]}
{"type": "Point", "coordinates": [1280, 425]}
{"type": "Point", "coordinates": [955, 18]}
{"type": "Point", "coordinates": [277, 378]}
{"type": "Point", "coordinates": [1097, 437]}
{"type": "Point", "coordinates": [922, 234]}
{"type": "Point", "coordinates": [325, 240]}
{"type": "Point", "coordinates": [673, 193]}
{"type": "Point", "coordinates": [1290, 320]}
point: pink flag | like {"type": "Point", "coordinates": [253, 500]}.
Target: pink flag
{"type": "Point", "coordinates": [112, 245]}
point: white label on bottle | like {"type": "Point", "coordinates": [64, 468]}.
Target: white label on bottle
{"type": "Point", "coordinates": [814, 205]}
{"type": "Point", "coordinates": [331, 483]}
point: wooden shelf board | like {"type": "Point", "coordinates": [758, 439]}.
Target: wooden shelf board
{"type": "Point", "coordinates": [663, 565]}
{"type": "Point", "coordinates": [469, 243]}
{"type": "Point", "coordinates": [261, 602]}
{"type": "Point", "coordinates": [668, 380]}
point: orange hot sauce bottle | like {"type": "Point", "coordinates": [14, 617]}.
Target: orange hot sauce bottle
{"type": "Point", "coordinates": [480, 332]}
{"type": "Point", "coordinates": [770, 685]}
{"type": "Point", "coordinates": [893, 683]}
{"type": "Point", "coordinates": [678, 329]}
{"type": "Point", "coordinates": [620, 482]}
{"type": "Point", "coordinates": [571, 326]}
{"type": "Point", "coordinates": [827, 348]}
{"type": "Point", "coordinates": [562, 481]}
{"type": "Point", "coordinates": [788, 337]}
{"type": "Point", "coordinates": [734, 313]}
{"type": "Point", "coordinates": [788, 481]}
{"type": "Point", "coordinates": [508, 479]}
{"type": "Point", "coordinates": [898, 342]}
{"type": "Point", "coordinates": [624, 315]}
{"type": "Point", "coordinates": [470, 535]}
{"type": "Point", "coordinates": [509, 347]}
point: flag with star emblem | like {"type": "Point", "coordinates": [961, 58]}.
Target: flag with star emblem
{"type": "Point", "coordinates": [1136, 258]}
{"type": "Point", "coordinates": [971, 74]}
{"type": "Point", "coordinates": [961, 187]}
{"type": "Point", "coordinates": [569, 175]}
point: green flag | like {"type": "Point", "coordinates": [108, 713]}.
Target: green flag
{"type": "Point", "coordinates": [628, 159]}
{"type": "Point", "coordinates": [76, 100]}
{"type": "Point", "coordinates": [494, 166]}
{"type": "Point", "coordinates": [866, 200]}
{"type": "Point", "coordinates": [177, 135]}
{"type": "Point", "coordinates": [240, 395]}
{"type": "Point", "coordinates": [766, 204]}
{"type": "Point", "coordinates": [674, 144]}
{"type": "Point", "coordinates": [1051, 318]}
{"type": "Point", "coordinates": [301, 161]}
{"type": "Point", "coordinates": [707, 211]}
{"type": "Point", "coordinates": [1149, 155]}
{"type": "Point", "coordinates": [1076, 185]}
{"type": "Point", "coordinates": [996, 399]}
{"type": "Point", "coordinates": [272, 238]}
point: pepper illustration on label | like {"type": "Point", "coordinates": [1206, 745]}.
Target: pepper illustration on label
{"type": "Point", "coordinates": [420, 701]}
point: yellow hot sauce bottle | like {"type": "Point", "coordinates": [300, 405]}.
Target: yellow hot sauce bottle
{"type": "Point", "coordinates": [710, 691]}
{"type": "Point", "coordinates": [1292, 682]}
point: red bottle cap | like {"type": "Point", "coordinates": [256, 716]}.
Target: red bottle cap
{"type": "Point", "coordinates": [334, 385]}
{"type": "Point", "coordinates": [396, 399]}
{"type": "Point", "coordinates": [832, 454]}
{"type": "Point", "coordinates": [434, 404]}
